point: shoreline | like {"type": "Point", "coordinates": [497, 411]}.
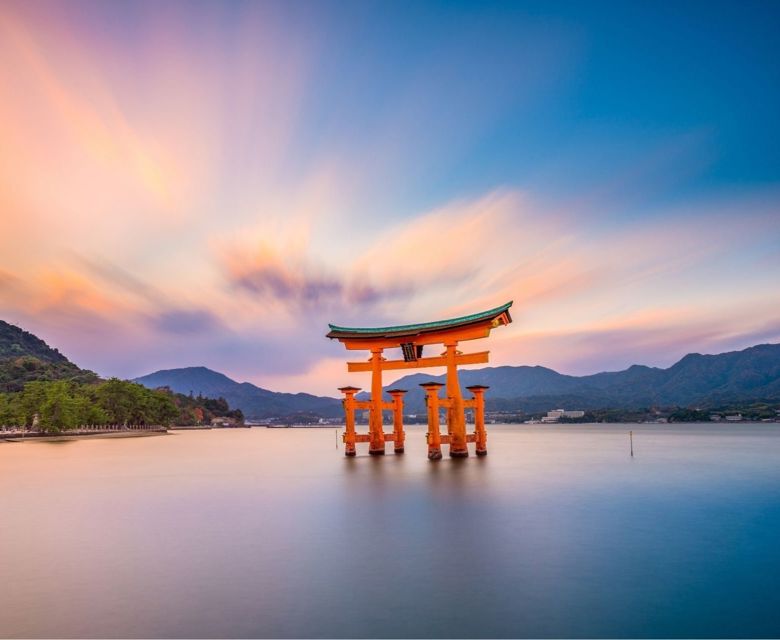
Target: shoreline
{"type": "Point", "coordinates": [65, 437]}
{"type": "Point", "coordinates": [81, 436]}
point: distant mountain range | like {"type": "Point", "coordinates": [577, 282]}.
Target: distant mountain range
{"type": "Point", "coordinates": [696, 380]}
{"type": "Point", "coordinates": [254, 401]}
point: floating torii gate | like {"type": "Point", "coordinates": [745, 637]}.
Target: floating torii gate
{"type": "Point", "coordinates": [411, 339]}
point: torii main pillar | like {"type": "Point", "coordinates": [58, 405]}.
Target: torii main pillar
{"type": "Point", "coordinates": [376, 445]}
{"type": "Point", "coordinates": [411, 339]}
{"type": "Point", "coordinates": [456, 416]}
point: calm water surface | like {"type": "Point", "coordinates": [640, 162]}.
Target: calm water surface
{"type": "Point", "coordinates": [258, 532]}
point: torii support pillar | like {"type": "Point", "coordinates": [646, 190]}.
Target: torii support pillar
{"type": "Point", "coordinates": [349, 420]}
{"type": "Point", "coordinates": [434, 434]}
{"type": "Point", "coordinates": [398, 419]}
{"type": "Point", "coordinates": [480, 433]}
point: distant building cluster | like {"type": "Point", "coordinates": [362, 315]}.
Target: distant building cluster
{"type": "Point", "coordinates": [222, 422]}
{"type": "Point", "coordinates": [556, 414]}
{"type": "Point", "coordinates": [716, 417]}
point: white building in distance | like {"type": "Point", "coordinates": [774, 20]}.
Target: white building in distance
{"type": "Point", "coordinates": [556, 414]}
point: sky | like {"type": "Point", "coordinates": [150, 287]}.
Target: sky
{"type": "Point", "coordinates": [209, 183]}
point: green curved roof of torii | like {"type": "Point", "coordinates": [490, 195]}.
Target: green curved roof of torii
{"type": "Point", "coordinates": [416, 329]}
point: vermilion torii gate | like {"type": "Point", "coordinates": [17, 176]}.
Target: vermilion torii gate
{"type": "Point", "coordinates": [411, 339]}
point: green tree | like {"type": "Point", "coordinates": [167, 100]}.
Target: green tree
{"type": "Point", "coordinates": [163, 409]}
{"type": "Point", "coordinates": [31, 401]}
{"type": "Point", "coordinates": [114, 401]}
{"type": "Point", "coordinates": [65, 404]}
{"type": "Point", "coordinates": [87, 408]}
{"type": "Point", "coordinates": [8, 416]}
{"type": "Point", "coordinates": [58, 411]}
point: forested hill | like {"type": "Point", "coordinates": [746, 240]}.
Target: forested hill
{"type": "Point", "coordinates": [38, 383]}
{"type": "Point", "coordinates": [254, 401]}
{"type": "Point", "coordinates": [16, 342]}
{"type": "Point", "coordinates": [25, 358]}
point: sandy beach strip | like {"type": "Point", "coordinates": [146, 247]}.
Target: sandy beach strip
{"type": "Point", "coordinates": [81, 436]}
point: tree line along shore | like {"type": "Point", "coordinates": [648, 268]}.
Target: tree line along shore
{"type": "Point", "coordinates": [65, 405]}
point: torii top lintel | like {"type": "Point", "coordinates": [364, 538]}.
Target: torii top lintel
{"type": "Point", "coordinates": [471, 327]}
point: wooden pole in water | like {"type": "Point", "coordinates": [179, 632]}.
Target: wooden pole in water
{"type": "Point", "coordinates": [631, 439]}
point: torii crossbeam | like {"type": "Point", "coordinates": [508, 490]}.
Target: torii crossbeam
{"type": "Point", "coordinates": [412, 339]}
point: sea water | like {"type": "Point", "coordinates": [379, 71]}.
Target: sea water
{"type": "Point", "coordinates": [558, 532]}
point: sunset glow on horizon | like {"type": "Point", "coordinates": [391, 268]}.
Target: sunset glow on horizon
{"type": "Point", "coordinates": [210, 184]}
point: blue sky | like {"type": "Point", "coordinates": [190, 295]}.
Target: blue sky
{"type": "Point", "coordinates": [211, 183]}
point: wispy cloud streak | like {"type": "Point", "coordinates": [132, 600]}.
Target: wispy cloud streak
{"type": "Point", "coordinates": [212, 184]}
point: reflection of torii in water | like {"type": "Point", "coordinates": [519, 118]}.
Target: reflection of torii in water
{"type": "Point", "coordinates": [411, 339]}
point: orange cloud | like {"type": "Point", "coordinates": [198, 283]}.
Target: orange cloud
{"type": "Point", "coordinates": [190, 165]}
{"type": "Point", "coordinates": [80, 120]}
